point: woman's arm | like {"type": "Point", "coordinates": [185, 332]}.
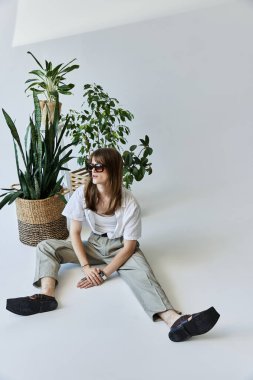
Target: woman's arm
{"type": "Point", "coordinates": [75, 234]}
{"type": "Point", "coordinates": [116, 263]}
{"type": "Point", "coordinates": [124, 254]}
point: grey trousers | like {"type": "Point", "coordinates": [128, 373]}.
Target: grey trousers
{"type": "Point", "coordinates": [100, 250]}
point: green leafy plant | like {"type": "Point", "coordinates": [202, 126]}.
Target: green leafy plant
{"type": "Point", "coordinates": [136, 166]}
{"type": "Point", "coordinates": [50, 80]}
{"type": "Point", "coordinates": [102, 123]}
{"type": "Point", "coordinates": [42, 155]}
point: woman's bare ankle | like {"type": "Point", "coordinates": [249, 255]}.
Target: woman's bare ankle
{"type": "Point", "coordinates": [48, 286]}
{"type": "Point", "coordinates": [48, 292]}
{"type": "Point", "coordinates": [169, 316]}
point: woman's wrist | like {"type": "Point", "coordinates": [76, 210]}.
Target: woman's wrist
{"type": "Point", "coordinates": [103, 275]}
{"type": "Point", "coordinates": [85, 266]}
{"type": "Point", "coordinates": [106, 272]}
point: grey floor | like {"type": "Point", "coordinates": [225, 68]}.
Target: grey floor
{"type": "Point", "coordinates": [199, 246]}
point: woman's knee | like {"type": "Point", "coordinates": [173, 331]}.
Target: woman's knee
{"type": "Point", "coordinates": [46, 246]}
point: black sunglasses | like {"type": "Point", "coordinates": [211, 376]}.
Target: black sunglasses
{"type": "Point", "coordinates": [99, 168]}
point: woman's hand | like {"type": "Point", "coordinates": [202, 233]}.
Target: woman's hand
{"type": "Point", "coordinates": [91, 278]}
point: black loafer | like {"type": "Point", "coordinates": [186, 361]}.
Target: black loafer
{"type": "Point", "coordinates": [200, 323]}
{"type": "Point", "coordinates": [38, 303]}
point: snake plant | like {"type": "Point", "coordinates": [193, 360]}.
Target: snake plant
{"type": "Point", "coordinates": [42, 157]}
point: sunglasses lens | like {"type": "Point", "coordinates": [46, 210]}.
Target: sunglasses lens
{"type": "Point", "coordinates": [98, 167]}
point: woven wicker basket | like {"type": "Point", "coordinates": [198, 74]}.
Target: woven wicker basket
{"type": "Point", "coordinates": [78, 177]}
{"type": "Point", "coordinates": [41, 219]}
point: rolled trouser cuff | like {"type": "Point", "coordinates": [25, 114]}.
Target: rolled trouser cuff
{"type": "Point", "coordinates": [37, 279]}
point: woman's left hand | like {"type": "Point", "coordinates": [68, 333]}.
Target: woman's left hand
{"type": "Point", "coordinates": [85, 283]}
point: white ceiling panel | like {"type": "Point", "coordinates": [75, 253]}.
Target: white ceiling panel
{"type": "Point", "coordinates": [44, 20]}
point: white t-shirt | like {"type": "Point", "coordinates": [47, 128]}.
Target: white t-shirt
{"type": "Point", "coordinates": [128, 216]}
{"type": "Point", "coordinates": [105, 223]}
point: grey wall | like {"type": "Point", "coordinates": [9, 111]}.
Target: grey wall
{"type": "Point", "coordinates": [186, 77]}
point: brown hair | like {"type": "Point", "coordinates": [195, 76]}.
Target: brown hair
{"type": "Point", "coordinates": [112, 159]}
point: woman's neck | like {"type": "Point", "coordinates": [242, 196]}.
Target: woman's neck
{"type": "Point", "coordinates": [104, 191]}
{"type": "Point", "coordinates": [104, 199]}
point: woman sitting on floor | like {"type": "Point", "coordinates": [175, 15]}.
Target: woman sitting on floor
{"type": "Point", "coordinates": [114, 217]}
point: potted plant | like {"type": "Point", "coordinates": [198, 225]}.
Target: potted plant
{"type": "Point", "coordinates": [49, 81]}
{"type": "Point", "coordinates": [101, 123]}
{"type": "Point", "coordinates": [39, 199]}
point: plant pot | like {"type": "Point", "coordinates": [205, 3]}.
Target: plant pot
{"type": "Point", "coordinates": [47, 108]}
{"type": "Point", "coordinates": [78, 178]}
{"type": "Point", "coordinates": [41, 219]}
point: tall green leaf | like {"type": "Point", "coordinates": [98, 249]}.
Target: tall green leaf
{"type": "Point", "coordinates": [16, 157]}
{"type": "Point", "coordinates": [37, 188]}
{"type": "Point", "coordinates": [56, 115]}
{"type": "Point", "coordinates": [14, 132]}
{"type": "Point", "coordinates": [37, 110]}
{"type": "Point", "coordinates": [15, 196]}
{"type": "Point", "coordinates": [35, 59]}
{"type": "Point", "coordinates": [6, 199]}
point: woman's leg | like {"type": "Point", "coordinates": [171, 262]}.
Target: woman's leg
{"type": "Point", "coordinates": [170, 316]}
{"type": "Point", "coordinates": [48, 285]}
{"type": "Point", "coordinates": [141, 279]}
{"type": "Point", "coordinates": [50, 254]}
{"type": "Point", "coordinates": [138, 274]}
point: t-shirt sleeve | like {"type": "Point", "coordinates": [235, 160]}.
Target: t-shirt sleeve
{"type": "Point", "coordinates": [74, 209]}
{"type": "Point", "coordinates": [132, 221]}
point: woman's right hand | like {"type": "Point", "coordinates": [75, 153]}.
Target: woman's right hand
{"type": "Point", "coordinates": [92, 274]}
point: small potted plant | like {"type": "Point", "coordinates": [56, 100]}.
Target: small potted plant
{"type": "Point", "coordinates": [102, 123]}
{"type": "Point", "coordinates": [49, 81]}
{"type": "Point", "coordinates": [39, 199]}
